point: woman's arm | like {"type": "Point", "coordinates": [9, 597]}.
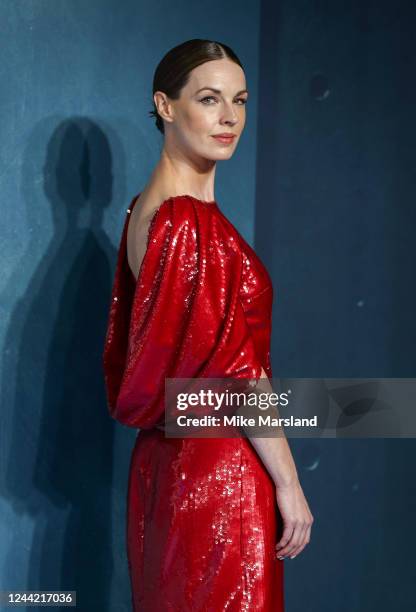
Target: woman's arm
{"type": "Point", "coordinates": [297, 518]}
{"type": "Point", "coordinates": [275, 452]}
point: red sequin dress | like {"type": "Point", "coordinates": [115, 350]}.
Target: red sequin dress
{"type": "Point", "coordinates": [202, 517]}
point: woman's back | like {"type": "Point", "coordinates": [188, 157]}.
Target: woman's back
{"type": "Point", "coordinates": [138, 228]}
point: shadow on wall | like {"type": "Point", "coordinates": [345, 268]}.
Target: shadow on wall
{"type": "Point", "coordinates": [58, 439]}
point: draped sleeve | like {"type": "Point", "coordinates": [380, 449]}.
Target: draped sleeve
{"type": "Point", "coordinates": [182, 318]}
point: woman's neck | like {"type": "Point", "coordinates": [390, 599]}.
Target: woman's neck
{"type": "Point", "coordinates": [176, 174]}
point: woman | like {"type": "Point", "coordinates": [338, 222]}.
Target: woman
{"type": "Point", "coordinates": [209, 520]}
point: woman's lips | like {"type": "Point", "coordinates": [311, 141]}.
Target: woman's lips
{"type": "Point", "coordinates": [224, 139]}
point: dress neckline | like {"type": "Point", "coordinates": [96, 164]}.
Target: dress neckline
{"type": "Point", "coordinates": [182, 195]}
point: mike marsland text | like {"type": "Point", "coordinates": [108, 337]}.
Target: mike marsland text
{"type": "Point", "coordinates": [242, 421]}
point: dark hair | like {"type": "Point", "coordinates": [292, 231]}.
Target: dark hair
{"type": "Point", "coordinates": [172, 72]}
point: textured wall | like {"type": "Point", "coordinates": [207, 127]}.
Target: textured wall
{"type": "Point", "coordinates": [327, 198]}
{"type": "Point", "coordinates": [76, 144]}
{"type": "Point", "coordinates": [335, 222]}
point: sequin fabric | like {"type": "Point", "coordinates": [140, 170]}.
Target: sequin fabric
{"type": "Point", "coordinates": [202, 518]}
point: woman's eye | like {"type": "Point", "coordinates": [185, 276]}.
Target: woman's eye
{"type": "Point", "coordinates": [240, 100]}
{"type": "Point", "coordinates": [207, 98]}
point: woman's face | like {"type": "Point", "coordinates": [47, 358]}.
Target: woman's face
{"type": "Point", "coordinates": [211, 103]}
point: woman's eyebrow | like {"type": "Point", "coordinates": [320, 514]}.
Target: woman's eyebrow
{"type": "Point", "coordinates": [218, 91]}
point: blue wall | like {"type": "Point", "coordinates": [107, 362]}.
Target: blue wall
{"type": "Point", "coordinates": [77, 143]}
{"type": "Point", "coordinates": [335, 222]}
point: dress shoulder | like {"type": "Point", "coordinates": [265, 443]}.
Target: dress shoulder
{"type": "Point", "coordinates": [179, 222]}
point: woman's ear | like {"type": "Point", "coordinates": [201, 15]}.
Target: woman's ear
{"type": "Point", "coordinates": [163, 106]}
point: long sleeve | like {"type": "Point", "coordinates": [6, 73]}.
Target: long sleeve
{"type": "Point", "coordinates": [182, 318]}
